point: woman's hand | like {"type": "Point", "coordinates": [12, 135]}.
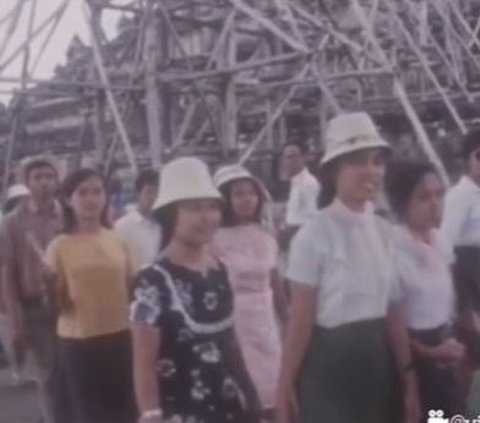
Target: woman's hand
{"type": "Point", "coordinates": [449, 353]}
{"type": "Point", "coordinates": [286, 409]}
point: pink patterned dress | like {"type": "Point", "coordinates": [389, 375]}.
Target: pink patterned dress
{"type": "Point", "coordinates": [250, 255]}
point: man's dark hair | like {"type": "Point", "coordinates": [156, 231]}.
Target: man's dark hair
{"type": "Point", "coordinates": [299, 144]}
{"type": "Point", "coordinates": [37, 164]}
{"type": "Point", "coordinates": [146, 177]}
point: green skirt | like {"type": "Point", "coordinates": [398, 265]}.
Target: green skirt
{"type": "Point", "coordinates": [348, 376]}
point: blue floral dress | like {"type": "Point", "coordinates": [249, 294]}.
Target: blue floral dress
{"type": "Point", "coordinates": [194, 314]}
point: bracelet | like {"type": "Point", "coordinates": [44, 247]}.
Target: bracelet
{"type": "Point", "coordinates": [151, 414]}
{"type": "Point", "coordinates": [408, 368]}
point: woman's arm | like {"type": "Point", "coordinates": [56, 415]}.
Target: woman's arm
{"type": "Point", "coordinates": [400, 342]}
{"type": "Point", "coordinates": [146, 343]}
{"type": "Point", "coordinates": [299, 330]}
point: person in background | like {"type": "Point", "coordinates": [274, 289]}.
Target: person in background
{"type": "Point", "coordinates": [250, 254]}
{"type": "Point", "coordinates": [426, 292]}
{"type": "Point", "coordinates": [461, 221]}
{"type": "Point", "coordinates": [187, 362]}
{"type": "Point", "coordinates": [344, 335]}
{"type": "Point", "coordinates": [90, 274]}
{"type": "Point", "coordinates": [24, 236]}
{"type": "Point", "coordinates": [461, 228]}
{"type": "Point", "coordinates": [304, 189]}
{"type": "Point", "coordinates": [137, 229]}
{"type": "Point", "coordinates": [16, 197]}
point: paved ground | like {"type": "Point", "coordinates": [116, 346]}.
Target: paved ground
{"type": "Point", "coordinates": [17, 404]}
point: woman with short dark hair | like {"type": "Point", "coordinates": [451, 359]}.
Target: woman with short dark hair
{"type": "Point", "coordinates": [250, 254]}
{"type": "Point", "coordinates": [90, 273]}
{"type": "Point", "coordinates": [343, 325]}
{"type": "Point", "coordinates": [187, 363]}
{"type": "Point", "coordinates": [426, 292]}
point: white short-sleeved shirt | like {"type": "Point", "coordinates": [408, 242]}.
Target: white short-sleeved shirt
{"type": "Point", "coordinates": [302, 201]}
{"type": "Point", "coordinates": [347, 256]}
{"type": "Point", "coordinates": [461, 220]}
{"type": "Point", "coordinates": [425, 289]}
{"type": "Point", "coordinates": [142, 237]}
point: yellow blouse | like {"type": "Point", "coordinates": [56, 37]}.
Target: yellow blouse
{"type": "Point", "coordinates": [94, 272]}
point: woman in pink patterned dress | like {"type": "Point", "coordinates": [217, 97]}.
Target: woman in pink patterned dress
{"type": "Point", "coordinates": [250, 254]}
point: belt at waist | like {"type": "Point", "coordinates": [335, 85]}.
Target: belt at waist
{"type": "Point", "coordinates": [432, 337]}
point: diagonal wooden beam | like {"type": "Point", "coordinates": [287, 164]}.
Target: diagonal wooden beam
{"type": "Point", "coordinates": [273, 118]}
{"type": "Point", "coordinates": [268, 24]}
{"type": "Point", "coordinates": [401, 94]}
{"type": "Point", "coordinates": [427, 69]}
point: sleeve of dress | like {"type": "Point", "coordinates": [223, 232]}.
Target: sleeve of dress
{"type": "Point", "coordinates": [149, 302]}
{"type": "Point", "coordinates": [455, 215]}
{"type": "Point", "coordinates": [305, 258]}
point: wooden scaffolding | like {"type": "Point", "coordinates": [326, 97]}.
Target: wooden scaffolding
{"type": "Point", "coordinates": [236, 77]}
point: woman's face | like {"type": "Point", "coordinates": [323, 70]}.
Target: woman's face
{"type": "Point", "coordinates": [197, 221]}
{"type": "Point", "coordinates": [360, 175]}
{"type": "Point", "coordinates": [89, 200]}
{"type": "Point", "coordinates": [424, 209]}
{"type": "Point", "coordinates": [244, 200]}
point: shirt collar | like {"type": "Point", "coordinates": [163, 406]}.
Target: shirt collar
{"type": "Point", "coordinates": [467, 183]}
{"type": "Point", "coordinates": [299, 177]}
{"type": "Point", "coordinates": [341, 211]}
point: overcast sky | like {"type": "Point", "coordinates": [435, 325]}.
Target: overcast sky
{"type": "Point", "coordinates": [72, 23]}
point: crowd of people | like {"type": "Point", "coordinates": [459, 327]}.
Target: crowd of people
{"type": "Point", "coordinates": [195, 307]}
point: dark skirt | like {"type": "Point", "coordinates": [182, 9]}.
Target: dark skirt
{"type": "Point", "coordinates": [94, 380]}
{"type": "Point", "coordinates": [348, 375]}
{"type": "Point", "coordinates": [439, 388]}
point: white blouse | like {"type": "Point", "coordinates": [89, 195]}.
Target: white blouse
{"type": "Point", "coordinates": [347, 256]}
{"type": "Point", "coordinates": [425, 290]}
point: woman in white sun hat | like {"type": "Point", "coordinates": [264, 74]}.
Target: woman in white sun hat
{"type": "Point", "coordinates": [188, 366]}
{"type": "Point", "coordinates": [250, 254]}
{"type": "Point", "coordinates": [15, 195]}
{"type": "Point", "coordinates": [342, 328]}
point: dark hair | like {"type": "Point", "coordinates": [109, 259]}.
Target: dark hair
{"type": "Point", "coordinates": [328, 178]}
{"type": "Point", "coordinates": [166, 217]}
{"type": "Point", "coordinates": [70, 185]}
{"type": "Point", "coordinates": [146, 177]}
{"type": "Point", "coordinates": [228, 214]}
{"type": "Point", "coordinates": [299, 144]}
{"type": "Point", "coordinates": [37, 164]}
{"type": "Point", "coordinates": [470, 143]}
{"type": "Point", "coordinates": [401, 179]}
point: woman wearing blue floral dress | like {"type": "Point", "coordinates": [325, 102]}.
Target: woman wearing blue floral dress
{"type": "Point", "coordinates": [187, 364]}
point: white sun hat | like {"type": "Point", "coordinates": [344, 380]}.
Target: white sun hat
{"type": "Point", "coordinates": [350, 132]}
{"type": "Point", "coordinates": [28, 161]}
{"type": "Point", "coordinates": [187, 178]}
{"type": "Point", "coordinates": [16, 191]}
{"type": "Point", "coordinates": [235, 172]}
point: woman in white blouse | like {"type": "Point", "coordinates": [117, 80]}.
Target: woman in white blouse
{"type": "Point", "coordinates": [343, 329]}
{"type": "Point", "coordinates": [426, 292]}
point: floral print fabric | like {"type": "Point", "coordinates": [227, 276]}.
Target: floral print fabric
{"type": "Point", "coordinates": [194, 314]}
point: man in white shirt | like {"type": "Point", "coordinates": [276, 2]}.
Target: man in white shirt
{"type": "Point", "coordinates": [461, 221]}
{"type": "Point", "coordinates": [304, 189]}
{"type": "Point", "coordinates": [137, 229]}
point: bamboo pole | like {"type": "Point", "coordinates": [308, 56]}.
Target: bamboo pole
{"type": "Point", "coordinates": [428, 70]}
{"type": "Point", "coordinates": [402, 95]}
{"type": "Point", "coordinates": [153, 104]}
{"type": "Point", "coordinates": [32, 36]}
{"type": "Point", "coordinates": [110, 98]}
{"type": "Point", "coordinates": [273, 118]}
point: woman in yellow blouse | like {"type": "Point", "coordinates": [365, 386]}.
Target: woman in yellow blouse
{"type": "Point", "coordinates": [92, 274]}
